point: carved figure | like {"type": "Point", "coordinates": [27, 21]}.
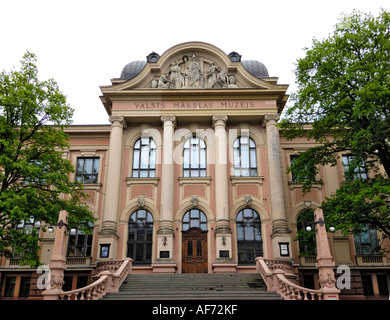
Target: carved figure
{"type": "Point", "coordinates": [194, 69]}
{"type": "Point", "coordinates": [195, 201]}
{"type": "Point", "coordinates": [177, 80]}
{"type": "Point", "coordinates": [232, 82]}
{"type": "Point", "coordinates": [247, 200]}
{"type": "Point", "coordinates": [212, 76]}
{"type": "Point", "coordinates": [222, 78]}
{"type": "Point", "coordinates": [164, 82]}
{"type": "Point", "coordinates": [141, 201]}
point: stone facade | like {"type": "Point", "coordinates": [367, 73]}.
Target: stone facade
{"type": "Point", "coordinates": [193, 145]}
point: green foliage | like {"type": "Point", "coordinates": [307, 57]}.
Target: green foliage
{"type": "Point", "coordinates": [343, 105]}
{"type": "Point", "coordinates": [34, 175]}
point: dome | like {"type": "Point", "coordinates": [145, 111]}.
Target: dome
{"type": "Point", "coordinates": [132, 69]}
{"type": "Point", "coordinates": [256, 68]}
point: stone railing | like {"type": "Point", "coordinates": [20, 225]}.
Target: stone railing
{"type": "Point", "coordinates": [274, 274]}
{"type": "Point", "coordinates": [110, 276]}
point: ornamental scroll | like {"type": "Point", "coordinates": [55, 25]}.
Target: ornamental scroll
{"type": "Point", "coordinates": [194, 73]}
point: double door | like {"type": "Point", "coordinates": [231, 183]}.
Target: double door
{"type": "Point", "coordinates": [194, 254]}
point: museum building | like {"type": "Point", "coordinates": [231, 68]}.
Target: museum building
{"type": "Point", "coordinates": [190, 176]}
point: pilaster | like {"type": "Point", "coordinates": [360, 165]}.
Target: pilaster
{"type": "Point", "coordinates": [165, 234]}
{"type": "Point", "coordinates": [223, 233]}
{"type": "Point", "coordinates": [108, 233]}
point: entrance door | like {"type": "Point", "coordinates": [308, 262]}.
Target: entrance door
{"type": "Point", "coordinates": [194, 247]}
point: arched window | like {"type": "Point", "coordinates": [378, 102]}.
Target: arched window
{"type": "Point", "coordinates": [194, 157]}
{"type": "Point", "coordinates": [244, 157]}
{"type": "Point", "coordinates": [144, 158]}
{"type": "Point", "coordinates": [140, 237]}
{"type": "Point", "coordinates": [194, 218]}
{"type": "Point", "coordinates": [249, 239]}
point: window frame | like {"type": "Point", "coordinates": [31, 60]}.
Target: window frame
{"type": "Point", "coordinates": [194, 150]}
{"type": "Point", "coordinates": [138, 156]}
{"type": "Point", "coordinates": [238, 153]}
{"type": "Point", "coordinates": [81, 175]}
{"type": "Point", "coordinates": [191, 220]}
{"type": "Point", "coordinates": [360, 172]}
{"type": "Point", "coordinates": [247, 244]}
{"type": "Point", "coordinates": [86, 245]}
{"type": "Point", "coordinates": [133, 244]}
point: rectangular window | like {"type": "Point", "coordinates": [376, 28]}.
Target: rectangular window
{"type": "Point", "coordinates": [293, 158]}
{"type": "Point", "coordinates": [382, 284]}
{"type": "Point", "coordinates": [87, 170]}
{"type": "Point", "coordinates": [24, 291]}
{"type": "Point", "coordinates": [9, 287]}
{"type": "Point", "coordinates": [359, 171]}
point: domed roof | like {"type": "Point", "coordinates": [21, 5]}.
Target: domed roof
{"type": "Point", "coordinates": [256, 68]}
{"type": "Point", "coordinates": [132, 69]}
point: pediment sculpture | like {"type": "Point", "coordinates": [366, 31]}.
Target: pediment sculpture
{"type": "Point", "coordinates": [192, 72]}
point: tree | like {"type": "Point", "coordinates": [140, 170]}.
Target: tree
{"type": "Point", "coordinates": [34, 175]}
{"type": "Point", "coordinates": [343, 105]}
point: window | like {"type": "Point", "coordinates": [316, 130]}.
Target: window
{"type": "Point", "coordinates": [244, 157]}
{"type": "Point", "coordinates": [194, 218]}
{"type": "Point", "coordinates": [144, 158]}
{"type": "Point", "coordinates": [79, 243]}
{"type": "Point", "coordinates": [366, 242]}
{"type": "Point", "coordinates": [29, 225]}
{"type": "Point", "coordinates": [24, 290]}
{"type": "Point", "coordinates": [9, 287]}
{"type": "Point", "coordinates": [359, 171]}
{"type": "Point", "coordinates": [306, 239]}
{"type": "Point", "coordinates": [294, 176]}
{"type": "Point", "coordinates": [87, 170]}
{"type": "Point", "coordinates": [194, 158]}
{"type": "Point", "coordinates": [382, 285]}
{"type": "Point", "coordinates": [140, 237]}
{"type": "Point", "coordinates": [249, 240]}
{"type": "Point", "coordinates": [368, 289]}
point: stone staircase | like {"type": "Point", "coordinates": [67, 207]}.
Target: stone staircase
{"type": "Point", "coordinates": [206, 286]}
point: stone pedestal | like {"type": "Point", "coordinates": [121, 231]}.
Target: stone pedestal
{"type": "Point", "coordinates": [58, 259]}
{"type": "Point", "coordinates": [325, 262]}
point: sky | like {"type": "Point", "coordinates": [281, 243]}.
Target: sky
{"type": "Point", "coordinates": [84, 44]}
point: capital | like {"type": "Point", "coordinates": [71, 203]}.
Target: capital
{"type": "Point", "coordinates": [168, 117]}
{"type": "Point", "coordinates": [220, 120]}
{"type": "Point", "coordinates": [271, 118]}
{"type": "Point", "coordinates": [118, 121]}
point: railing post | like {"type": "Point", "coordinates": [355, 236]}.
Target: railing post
{"type": "Point", "coordinates": [325, 263]}
{"type": "Point", "coordinates": [58, 259]}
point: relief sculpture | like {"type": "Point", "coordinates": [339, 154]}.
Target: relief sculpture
{"type": "Point", "coordinates": [194, 73]}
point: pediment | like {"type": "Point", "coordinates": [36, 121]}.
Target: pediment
{"type": "Point", "coordinates": [192, 66]}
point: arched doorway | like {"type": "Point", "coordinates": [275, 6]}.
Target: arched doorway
{"type": "Point", "coordinates": [249, 238]}
{"type": "Point", "coordinates": [194, 242]}
{"type": "Point", "coordinates": [140, 237]}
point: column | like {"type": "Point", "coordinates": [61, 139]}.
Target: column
{"type": "Point", "coordinates": [108, 235]}
{"type": "Point", "coordinates": [166, 233]}
{"type": "Point", "coordinates": [281, 239]}
{"type": "Point", "coordinates": [222, 232]}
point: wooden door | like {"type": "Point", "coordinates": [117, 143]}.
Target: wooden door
{"type": "Point", "coordinates": [194, 251]}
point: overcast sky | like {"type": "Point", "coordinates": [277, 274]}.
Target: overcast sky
{"type": "Point", "coordinates": [83, 44]}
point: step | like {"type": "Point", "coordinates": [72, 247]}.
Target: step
{"type": "Point", "coordinates": [193, 286]}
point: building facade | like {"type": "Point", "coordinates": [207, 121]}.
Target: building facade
{"type": "Point", "coordinates": [190, 177]}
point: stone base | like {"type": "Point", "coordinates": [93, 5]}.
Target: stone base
{"type": "Point", "coordinates": [224, 267]}
{"type": "Point", "coordinates": [164, 266]}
